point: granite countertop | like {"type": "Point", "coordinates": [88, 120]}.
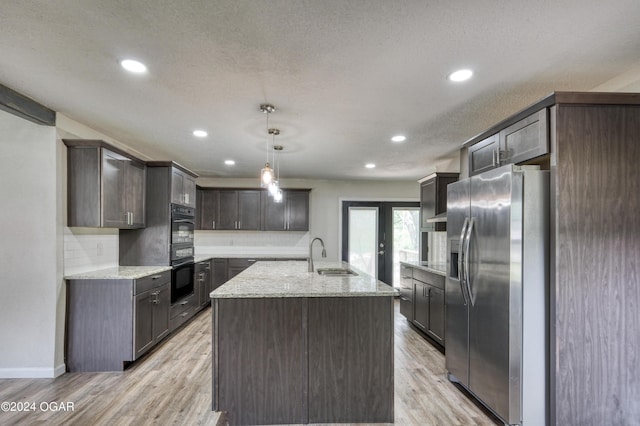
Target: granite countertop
{"type": "Point", "coordinates": [436, 268]}
{"type": "Point", "coordinates": [291, 279]}
{"type": "Point", "coordinates": [119, 273]}
{"type": "Point", "coordinates": [250, 255]}
{"type": "Point", "coordinates": [202, 257]}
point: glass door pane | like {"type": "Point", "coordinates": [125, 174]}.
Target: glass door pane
{"type": "Point", "coordinates": [363, 239]}
{"type": "Point", "coordinates": [405, 238]}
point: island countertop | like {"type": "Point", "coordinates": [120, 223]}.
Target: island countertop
{"type": "Point", "coordinates": [291, 279]}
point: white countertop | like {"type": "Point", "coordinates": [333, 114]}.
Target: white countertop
{"type": "Point", "coordinates": [119, 273]}
{"type": "Point", "coordinates": [291, 279]}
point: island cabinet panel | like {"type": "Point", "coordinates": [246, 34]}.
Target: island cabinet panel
{"type": "Point", "coordinates": [350, 361]}
{"type": "Point", "coordinates": [266, 389]}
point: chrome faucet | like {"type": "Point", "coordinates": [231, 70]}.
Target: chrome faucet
{"type": "Point", "coordinates": [310, 258]}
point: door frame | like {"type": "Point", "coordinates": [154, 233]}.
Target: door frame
{"type": "Point", "coordinates": [385, 210]}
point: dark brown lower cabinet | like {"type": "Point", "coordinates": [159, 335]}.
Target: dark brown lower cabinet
{"type": "Point", "coordinates": [303, 360]}
{"type": "Point", "coordinates": [202, 284]}
{"type": "Point", "coordinates": [111, 322]}
{"type": "Point", "coordinates": [427, 302]}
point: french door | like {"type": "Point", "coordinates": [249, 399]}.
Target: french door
{"type": "Point", "coordinates": [376, 236]}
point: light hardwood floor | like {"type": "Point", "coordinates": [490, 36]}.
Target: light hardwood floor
{"type": "Point", "coordinates": [172, 385]}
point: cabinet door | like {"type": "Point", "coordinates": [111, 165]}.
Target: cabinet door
{"type": "Point", "coordinates": [228, 210]}
{"type": "Point", "coordinates": [427, 203]}
{"type": "Point", "coordinates": [420, 305]}
{"type": "Point", "coordinates": [209, 209]}
{"type": "Point", "coordinates": [161, 305]}
{"type": "Point", "coordinates": [143, 327]}
{"type": "Point", "coordinates": [483, 155]}
{"type": "Point", "coordinates": [274, 214]}
{"type": "Point", "coordinates": [297, 210]}
{"type": "Point", "coordinates": [135, 192]}
{"type": "Point", "coordinates": [526, 139]}
{"type": "Point", "coordinates": [249, 210]}
{"type": "Point", "coordinates": [436, 313]}
{"type": "Point", "coordinates": [189, 191]}
{"type": "Point", "coordinates": [177, 183]}
{"type": "Point", "coordinates": [114, 213]}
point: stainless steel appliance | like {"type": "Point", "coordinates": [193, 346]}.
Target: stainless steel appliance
{"type": "Point", "coordinates": [496, 290]}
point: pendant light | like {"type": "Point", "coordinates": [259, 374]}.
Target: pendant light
{"type": "Point", "coordinates": [277, 191]}
{"type": "Point", "coordinates": [266, 174]}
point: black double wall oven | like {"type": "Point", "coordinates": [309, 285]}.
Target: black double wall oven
{"type": "Point", "coordinates": [181, 251]}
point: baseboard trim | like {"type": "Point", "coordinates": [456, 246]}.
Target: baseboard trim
{"type": "Point", "coordinates": [32, 373]}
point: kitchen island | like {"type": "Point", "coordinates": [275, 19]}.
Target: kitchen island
{"type": "Point", "coordinates": [291, 346]}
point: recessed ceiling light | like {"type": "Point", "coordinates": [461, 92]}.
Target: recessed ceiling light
{"type": "Point", "coordinates": [133, 66]}
{"type": "Point", "coordinates": [460, 75]}
{"type": "Point", "coordinates": [229, 162]}
{"type": "Point", "coordinates": [200, 133]}
{"type": "Point", "coordinates": [370, 166]}
{"type": "Point", "coordinates": [399, 138]}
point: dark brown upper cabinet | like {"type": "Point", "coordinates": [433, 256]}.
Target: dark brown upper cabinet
{"type": "Point", "coordinates": [252, 209]}
{"type": "Point", "coordinates": [105, 186]}
{"type": "Point", "coordinates": [433, 200]}
{"type": "Point", "coordinates": [183, 188]}
{"type": "Point", "coordinates": [522, 141]}
{"type": "Point", "coordinates": [229, 209]}
{"type": "Point", "coordinates": [292, 214]}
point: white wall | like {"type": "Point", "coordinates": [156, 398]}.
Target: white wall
{"type": "Point", "coordinates": [326, 197]}
{"type": "Point", "coordinates": [31, 279]}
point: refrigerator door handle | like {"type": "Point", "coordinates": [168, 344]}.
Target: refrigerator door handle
{"type": "Point", "coordinates": [466, 262]}
{"type": "Point", "coordinates": [461, 263]}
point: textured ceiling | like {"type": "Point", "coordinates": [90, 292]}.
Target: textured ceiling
{"type": "Point", "coordinates": [344, 75]}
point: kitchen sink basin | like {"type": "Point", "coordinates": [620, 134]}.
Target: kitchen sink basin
{"type": "Point", "coordinates": [336, 272]}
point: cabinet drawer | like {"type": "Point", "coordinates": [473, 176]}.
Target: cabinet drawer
{"type": "Point", "coordinates": [428, 278]}
{"type": "Point", "coordinates": [181, 318]}
{"type": "Point", "coordinates": [182, 306]}
{"type": "Point", "coordinates": [152, 281]}
{"type": "Point", "coordinates": [406, 293]}
{"type": "Point", "coordinates": [406, 272]}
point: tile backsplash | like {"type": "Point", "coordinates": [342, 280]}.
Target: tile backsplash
{"type": "Point", "coordinates": [252, 243]}
{"type": "Point", "coordinates": [437, 254]}
{"type": "Point", "coordinates": [87, 249]}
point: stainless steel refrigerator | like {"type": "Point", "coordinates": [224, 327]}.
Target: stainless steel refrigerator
{"type": "Point", "coordinates": [497, 290]}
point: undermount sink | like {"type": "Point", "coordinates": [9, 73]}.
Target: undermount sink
{"type": "Point", "coordinates": [336, 272]}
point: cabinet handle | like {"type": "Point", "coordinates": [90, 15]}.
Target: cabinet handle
{"type": "Point", "coordinates": [186, 198]}
{"type": "Point", "coordinates": [184, 302]}
{"type": "Point", "coordinates": [184, 314]}
{"type": "Point", "coordinates": [155, 277]}
{"type": "Point", "coordinates": [213, 225]}
{"type": "Point", "coordinates": [239, 224]}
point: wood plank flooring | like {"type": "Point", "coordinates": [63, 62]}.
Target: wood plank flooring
{"type": "Point", "coordinates": [172, 385]}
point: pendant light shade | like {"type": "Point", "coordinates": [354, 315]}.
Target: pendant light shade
{"type": "Point", "coordinates": [266, 175]}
